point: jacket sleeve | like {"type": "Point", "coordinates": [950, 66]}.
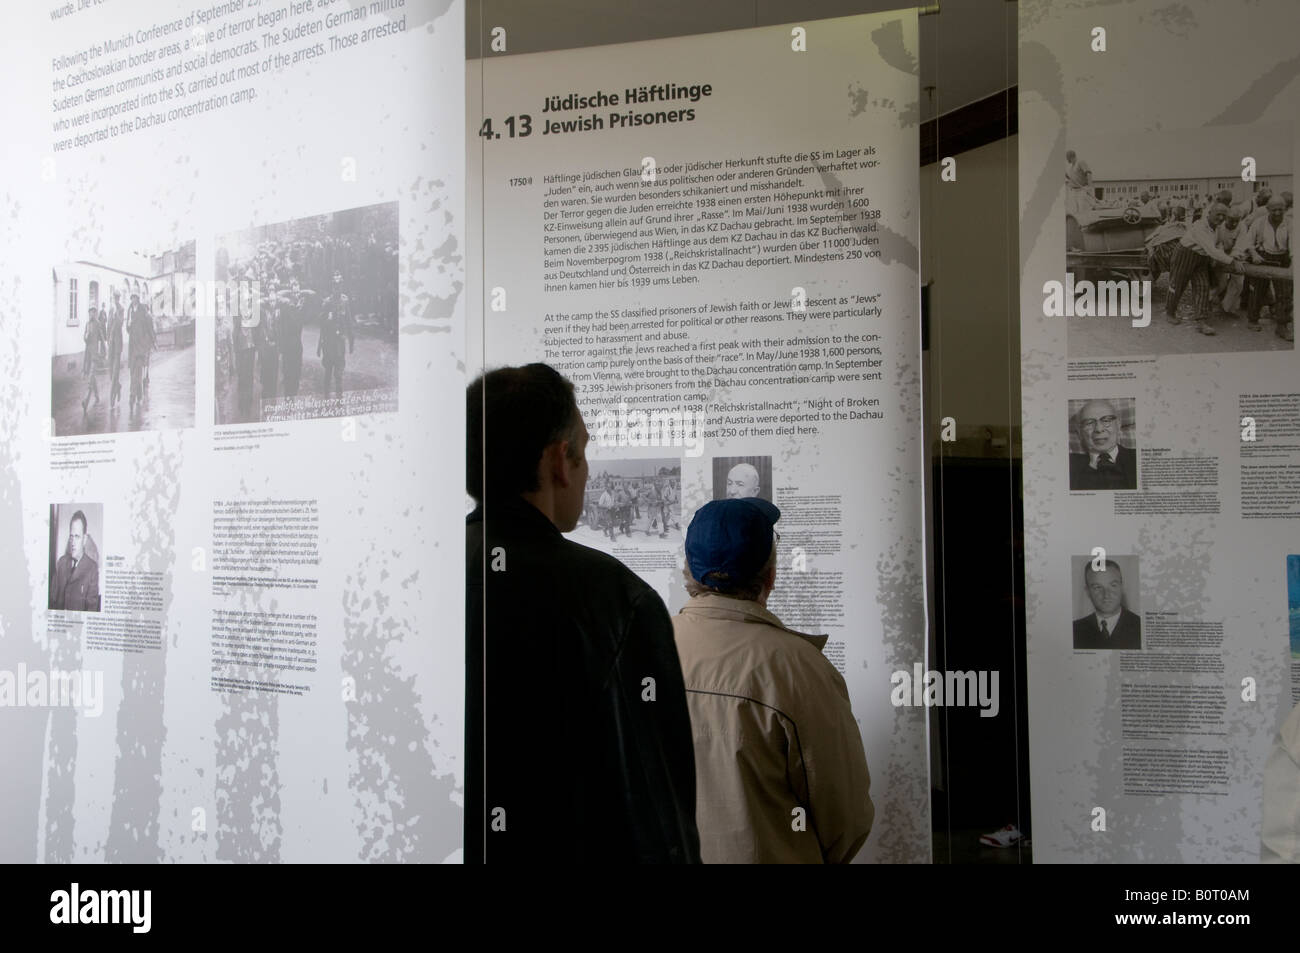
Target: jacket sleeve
{"type": "Point", "coordinates": [650, 718]}
{"type": "Point", "coordinates": [60, 576]}
{"type": "Point", "coordinates": [1280, 825]}
{"type": "Point", "coordinates": [92, 590]}
{"type": "Point", "coordinates": [828, 767]}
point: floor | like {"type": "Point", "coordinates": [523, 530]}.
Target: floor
{"type": "Point", "coordinates": [1116, 336]}
{"type": "Point", "coordinates": [964, 847]}
{"type": "Point", "coordinates": [168, 403]}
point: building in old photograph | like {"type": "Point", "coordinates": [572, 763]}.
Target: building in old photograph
{"type": "Point", "coordinates": [164, 281]}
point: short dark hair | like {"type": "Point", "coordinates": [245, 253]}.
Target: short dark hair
{"type": "Point", "coordinates": [78, 516]}
{"type": "Point", "coordinates": [523, 410]}
{"type": "Point", "coordinates": [1110, 565]}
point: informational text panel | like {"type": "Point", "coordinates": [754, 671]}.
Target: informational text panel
{"type": "Point", "coordinates": [716, 239]}
{"type": "Point", "coordinates": [231, 622]}
{"type": "Point", "coordinates": [1161, 421]}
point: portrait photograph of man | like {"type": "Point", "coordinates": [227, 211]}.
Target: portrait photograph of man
{"type": "Point", "coordinates": [738, 478]}
{"type": "Point", "coordinates": [1103, 454]}
{"type": "Point", "coordinates": [75, 556]}
{"type": "Point", "coordinates": [1105, 603]}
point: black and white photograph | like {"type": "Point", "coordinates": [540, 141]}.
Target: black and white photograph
{"type": "Point", "coordinates": [739, 477]}
{"type": "Point", "coordinates": [632, 502]}
{"type": "Point", "coordinates": [1204, 215]}
{"type": "Point", "coordinates": [75, 563]}
{"type": "Point", "coordinates": [123, 342]}
{"type": "Point", "coordinates": [308, 327]}
{"type": "Point", "coordinates": [1106, 602]}
{"type": "Point", "coordinates": [1103, 443]}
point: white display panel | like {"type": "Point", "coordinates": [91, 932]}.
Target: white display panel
{"type": "Point", "coordinates": [1148, 743]}
{"type": "Point", "coordinates": [716, 238]}
{"type": "Point", "coordinates": [279, 634]}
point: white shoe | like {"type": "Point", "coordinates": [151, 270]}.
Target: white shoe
{"type": "Point", "coordinates": [1007, 837]}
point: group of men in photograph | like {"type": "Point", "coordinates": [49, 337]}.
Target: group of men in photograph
{"type": "Point", "coordinates": [337, 273]}
{"type": "Point", "coordinates": [716, 735]}
{"type": "Point", "coordinates": [267, 342]}
{"type": "Point", "coordinates": [362, 265]}
{"type": "Point", "coordinates": [1219, 241]}
{"type": "Point", "coordinates": [615, 504]}
{"type": "Point", "coordinates": [103, 337]}
{"type": "Point", "coordinates": [1190, 206]}
{"type": "Point", "coordinates": [1212, 235]}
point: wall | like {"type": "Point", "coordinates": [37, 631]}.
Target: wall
{"type": "Point", "coordinates": [968, 254]}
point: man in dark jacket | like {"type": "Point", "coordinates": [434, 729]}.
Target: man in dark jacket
{"type": "Point", "coordinates": [266, 334]}
{"type": "Point", "coordinates": [335, 326]}
{"type": "Point", "coordinates": [1105, 463]}
{"type": "Point", "coordinates": [76, 574]}
{"type": "Point", "coordinates": [139, 327]}
{"type": "Point", "coordinates": [578, 740]}
{"type": "Point", "coordinates": [290, 337]}
{"type": "Point", "coordinates": [116, 325]}
{"type": "Point", "coordinates": [93, 337]}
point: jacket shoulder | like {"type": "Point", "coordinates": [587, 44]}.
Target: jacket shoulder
{"type": "Point", "coordinates": [754, 660]}
{"type": "Point", "coordinates": [91, 575]}
{"type": "Point", "coordinates": [1085, 633]}
{"type": "Point", "coordinates": [600, 568]}
{"type": "Point", "coordinates": [809, 665]}
{"type": "Point", "coordinates": [587, 580]}
{"type": "Point", "coordinates": [1080, 473]}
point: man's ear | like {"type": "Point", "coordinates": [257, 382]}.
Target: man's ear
{"type": "Point", "coordinates": [556, 459]}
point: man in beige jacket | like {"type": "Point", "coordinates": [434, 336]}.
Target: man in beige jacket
{"type": "Point", "coordinates": [781, 774]}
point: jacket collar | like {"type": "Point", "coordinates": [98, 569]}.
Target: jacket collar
{"type": "Point", "coordinates": [515, 514]}
{"type": "Point", "coordinates": [710, 605]}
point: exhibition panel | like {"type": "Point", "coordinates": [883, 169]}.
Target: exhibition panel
{"type": "Point", "coordinates": [233, 326]}
{"type": "Point", "coordinates": [716, 239]}
{"type": "Point", "coordinates": [839, 484]}
{"type": "Point", "coordinates": [1160, 415]}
